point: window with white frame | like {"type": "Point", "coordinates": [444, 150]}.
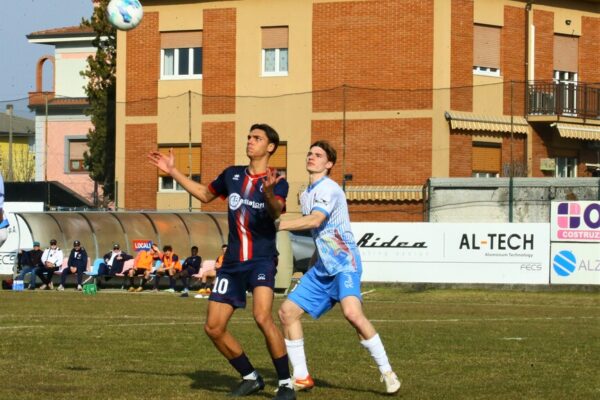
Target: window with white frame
{"type": "Point", "coordinates": [566, 167]}
{"type": "Point", "coordinates": [181, 55]}
{"type": "Point", "coordinates": [486, 50]}
{"type": "Point", "coordinates": [187, 161]}
{"type": "Point", "coordinates": [275, 51]}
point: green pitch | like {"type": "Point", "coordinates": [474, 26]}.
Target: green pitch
{"type": "Point", "coordinates": [444, 344]}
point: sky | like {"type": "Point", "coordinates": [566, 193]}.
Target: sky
{"type": "Point", "coordinates": [19, 57]}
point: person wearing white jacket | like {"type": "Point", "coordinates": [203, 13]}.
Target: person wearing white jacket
{"type": "Point", "coordinates": [52, 260]}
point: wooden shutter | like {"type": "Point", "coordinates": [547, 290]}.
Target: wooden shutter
{"type": "Point", "coordinates": [279, 159]}
{"type": "Point", "coordinates": [275, 37]}
{"type": "Point", "coordinates": [182, 158]}
{"type": "Point", "coordinates": [180, 39]}
{"type": "Point", "coordinates": [566, 53]}
{"type": "Point", "coordinates": [486, 46]}
{"type": "Point", "coordinates": [487, 158]}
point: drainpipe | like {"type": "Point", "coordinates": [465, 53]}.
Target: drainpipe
{"type": "Point", "coordinates": [527, 41]}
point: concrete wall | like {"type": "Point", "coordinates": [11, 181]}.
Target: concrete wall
{"type": "Point", "coordinates": [488, 200]}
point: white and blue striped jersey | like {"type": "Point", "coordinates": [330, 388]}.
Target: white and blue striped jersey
{"type": "Point", "coordinates": [337, 250]}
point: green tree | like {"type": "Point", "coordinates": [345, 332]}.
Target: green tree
{"type": "Point", "coordinates": [101, 92]}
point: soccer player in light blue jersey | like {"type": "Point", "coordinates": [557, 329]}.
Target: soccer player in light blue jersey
{"type": "Point", "coordinates": [335, 274]}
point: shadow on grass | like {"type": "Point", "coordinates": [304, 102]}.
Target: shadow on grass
{"type": "Point", "coordinates": [217, 382]}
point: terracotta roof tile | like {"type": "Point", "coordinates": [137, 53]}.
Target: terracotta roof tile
{"type": "Point", "coordinates": [64, 31]}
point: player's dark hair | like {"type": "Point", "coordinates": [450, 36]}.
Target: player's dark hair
{"type": "Point", "coordinates": [194, 247]}
{"type": "Point", "coordinates": [167, 248]}
{"type": "Point", "coordinates": [271, 133]}
{"type": "Point", "coordinates": [328, 149]}
{"type": "Point", "coordinates": [224, 246]}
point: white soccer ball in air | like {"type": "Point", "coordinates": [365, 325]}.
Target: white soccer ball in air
{"type": "Point", "coordinates": [124, 14]}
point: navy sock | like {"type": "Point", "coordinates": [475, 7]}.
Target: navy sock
{"type": "Point", "coordinates": [282, 367]}
{"type": "Point", "coordinates": [242, 364]}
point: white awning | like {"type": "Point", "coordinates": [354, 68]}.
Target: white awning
{"type": "Point", "coordinates": [384, 193]}
{"type": "Point", "coordinates": [491, 123]}
{"type": "Point", "coordinates": [575, 131]}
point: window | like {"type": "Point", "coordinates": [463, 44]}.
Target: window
{"type": "Point", "coordinates": [75, 150]}
{"type": "Point", "coordinates": [486, 160]}
{"type": "Point", "coordinates": [279, 159]}
{"type": "Point", "coordinates": [181, 55]}
{"type": "Point", "coordinates": [486, 50]}
{"type": "Point", "coordinates": [566, 167]}
{"type": "Point", "coordinates": [182, 163]}
{"type": "Point", "coordinates": [275, 51]}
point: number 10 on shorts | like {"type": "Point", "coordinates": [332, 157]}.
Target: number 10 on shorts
{"type": "Point", "coordinates": [221, 285]}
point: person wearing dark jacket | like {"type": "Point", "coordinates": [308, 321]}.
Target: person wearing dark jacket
{"type": "Point", "coordinates": [78, 260]}
{"type": "Point", "coordinates": [30, 261]}
{"type": "Point", "coordinates": [113, 262]}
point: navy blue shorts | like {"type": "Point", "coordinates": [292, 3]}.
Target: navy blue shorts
{"type": "Point", "coordinates": [230, 286]}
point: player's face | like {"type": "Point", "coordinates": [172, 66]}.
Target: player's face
{"type": "Point", "coordinates": [258, 144]}
{"type": "Point", "coordinates": [316, 160]}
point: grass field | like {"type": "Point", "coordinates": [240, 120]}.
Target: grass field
{"type": "Point", "coordinates": [444, 344]}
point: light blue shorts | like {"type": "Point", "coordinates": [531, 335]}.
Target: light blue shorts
{"type": "Point", "coordinates": [316, 294]}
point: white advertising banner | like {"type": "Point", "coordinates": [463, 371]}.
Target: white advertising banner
{"type": "Point", "coordinates": [454, 253]}
{"type": "Point", "coordinates": [575, 263]}
{"type": "Point", "coordinates": [575, 221]}
{"type": "Point", "coordinates": [18, 234]}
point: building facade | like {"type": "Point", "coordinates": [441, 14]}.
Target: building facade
{"type": "Point", "coordinates": [61, 127]}
{"type": "Point", "coordinates": [17, 138]}
{"type": "Point", "coordinates": [404, 89]}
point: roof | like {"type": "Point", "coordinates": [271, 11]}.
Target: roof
{"type": "Point", "coordinates": [63, 33]}
{"type": "Point", "coordinates": [20, 125]}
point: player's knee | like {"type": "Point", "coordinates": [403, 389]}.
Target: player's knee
{"type": "Point", "coordinates": [213, 332]}
{"type": "Point", "coordinates": [353, 315]}
{"type": "Point", "coordinates": [286, 316]}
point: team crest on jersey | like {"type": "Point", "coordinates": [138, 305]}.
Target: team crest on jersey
{"type": "Point", "coordinates": [235, 201]}
{"type": "Point", "coordinates": [236, 177]}
{"type": "Point", "coordinates": [261, 277]}
{"type": "Point", "coordinates": [322, 201]}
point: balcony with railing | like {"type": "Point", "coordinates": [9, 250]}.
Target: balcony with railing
{"type": "Point", "coordinates": [551, 100]}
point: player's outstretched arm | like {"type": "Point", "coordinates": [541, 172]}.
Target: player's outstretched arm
{"type": "Point", "coordinates": [167, 165]}
{"type": "Point", "coordinates": [311, 221]}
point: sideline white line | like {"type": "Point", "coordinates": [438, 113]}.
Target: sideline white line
{"type": "Point", "coordinates": [335, 321]}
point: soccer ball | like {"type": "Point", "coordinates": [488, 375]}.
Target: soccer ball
{"type": "Point", "coordinates": [124, 14]}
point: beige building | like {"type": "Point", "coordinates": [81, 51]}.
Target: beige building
{"type": "Point", "coordinates": [405, 90]}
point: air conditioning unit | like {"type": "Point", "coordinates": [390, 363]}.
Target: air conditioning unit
{"type": "Point", "coordinates": [547, 164]}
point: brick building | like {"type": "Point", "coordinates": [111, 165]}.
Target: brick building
{"type": "Point", "coordinates": [405, 90]}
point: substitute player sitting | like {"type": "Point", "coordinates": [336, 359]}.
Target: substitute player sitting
{"type": "Point", "coordinates": [142, 265]}
{"type": "Point", "coordinates": [256, 197]}
{"type": "Point", "coordinates": [335, 275]}
{"type": "Point", "coordinates": [170, 266]}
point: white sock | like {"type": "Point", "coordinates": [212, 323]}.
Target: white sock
{"type": "Point", "coordinates": [295, 349]}
{"type": "Point", "coordinates": [252, 376]}
{"type": "Point", "coordinates": [375, 347]}
{"type": "Point", "coordinates": [286, 382]}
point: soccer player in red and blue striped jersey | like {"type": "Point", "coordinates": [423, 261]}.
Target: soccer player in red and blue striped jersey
{"type": "Point", "coordinates": [256, 197]}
